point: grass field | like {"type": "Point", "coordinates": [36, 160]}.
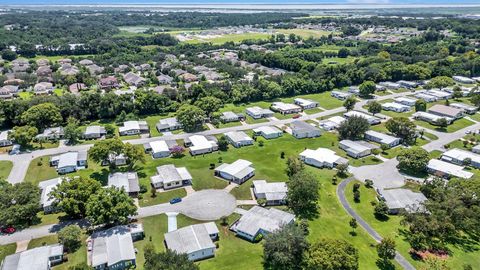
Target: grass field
{"type": "Point", "coordinates": [457, 125]}
{"type": "Point", "coordinates": [5, 168]}
{"type": "Point", "coordinates": [161, 197]}
{"type": "Point", "coordinates": [230, 38]}
{"type": "Point", "coordinates": [7, 250]}
{"type": "Point", "coordinates": [43, 241]}
{"type": "Point", "coordinates": [305, 33]}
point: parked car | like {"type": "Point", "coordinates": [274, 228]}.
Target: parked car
{"type": "Point", "coordinates": [8, 230]}
{"type": "Point", "coordinates": [15, 150]}
{"type": "Point", "coordinates": [175, 200]}
{"type": "Point", "coordinates": [296, 116]}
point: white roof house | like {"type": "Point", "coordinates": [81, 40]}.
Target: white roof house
{"type": "Point", "coordinates": [239, 171]}
{"type": "Point", "coordinates": [406, 101]}
{"type": "Point", "coordinates": [426, 97]}
{"type": "Point", "coordinates": [465, 107]}
{"type": "Point", "coordinates": [94, 132]}
{"type": "Point", "coordinates": [238, 138]}
{"type": "Point", "coordinates": [402, 199]}
{"type": "Point", "coordinates": [305, 103]}
{"type": "Point", "coordinates": [371, 119]}
{"type": "Point", "coordinates": [257, 112]}
{"type": "Point", "coordinates": [69, 161]}
{"type": "Point", "coordinates": [457, 156]}
{"type": "Point", "coordinates": [194, 240]}
{"type": "Point", "coordinates": [396, 107]}
{"type": "Point", "coordinates": [445, 169]}
{"type": "Point", "coordinates": [160, 149]}
{"type": "Point", "coordinates": [126, 180]}
{"type": "Point", "coordinates": [114, 247]}
{"type": "Point", "coordinates": [169, 176]}
{"type": "Point", "coordinates": [51, 133]}
{"type": "Point", "coordinates": [322, 157]}
{"type": "Point", "coordinates": [133, 127]}
{"type": "Point", "coordinates": [285, 108]}
{"type": "Point", "coordinates": [463, 79]}
{"type": "Point", "coordinates": [40, 258]}
{"type": "Point", "coordinates": [382, 138]}
{"type": "Point", "coordinates": [200, 144]}
{"type": "Point", "coordinates": [439, 94]}
{"type": "Point", "coordinates": [340, 95]}
{"type": "Point", "coordinates": [46, 187]}
{"type": "Point", "coordinates": [231, 116]}
{"type": "Point", "coordinates": [356, 149]}
{"type": "Point", "coordinates": [259, 220]}
{"type": "Point", "coordinates": [430, 117]}
{"type": "Point", "coordinates": [268, 132]}
{"type": "Point", "coordinates": [302, 129]}
{"type": "Point", "coordinates": [390, 85]}
{"type": "Point", "coordinates": [168, 124]}
{"type": "Point", "coordinates": [274, 193]}
{"type": "Point", "coordinates": [332, 122]}
{"type": "Point", "coordinates": [4, 141]}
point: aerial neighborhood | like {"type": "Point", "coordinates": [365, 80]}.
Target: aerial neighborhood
{"type": "Point", "coordinates": [304, 139]}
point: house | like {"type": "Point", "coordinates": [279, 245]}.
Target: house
{"type": "Point", "coordinates": [196, 241]}
{"type": "Point", "coordinates": [159, 149]}
{"type": "Point", "coordinates": [231, 117]}
{"type": "Point", "coordinates": [75, 88]}
{"type": "Point", "coordinates": [268, 132]}
{"type": "Point", "coordinates": [94, 132]}
{"type": "Point", "coordinates": [238, 138]}
{"type": "Point", "coordinates": [40, 258]}
{"type": "Point", "coordinates": [463, 79]}
{"type": "Point", "coordinates": [408, 84]}
{"type": "Point", "coordinates": [44, 71]}
{"type": "Point", "coordinates": [305, 103]}
{"type": "Point", "coordinates": [476, 149]}
{"type": "Point", "coordinates": [399, 199]}
{"type": "Point", "coordinates": [274, 193]}
{"type": "Point", "coordinates": [371, 119]}
{"type": "Point", "coordinates": [354, 90]}
{"type": "Point", "coordinates": [285, 108]}
{"type": "Point", "coordinates": [8, 91]}
{"type": "Point", "coordinates": [439, 94]}
{"type": "Point", "coordinates": [168, 124]}
{"type": "Point", "coordinates": [406, 101]}
{"type": "Point", "coordinates": [164, 79]}
{"type": "Point", "coordinates": [261, 221]}
{"type": "Point", "coordinates": [4, 140]}
{"type": "Point", "coordinates": [46, 187]}
{"type": "Point", "coordinates": [426, 97]}
{"type": "Point", "coordinates": [382, 138]}
{"type": "Point", "coordinates": [133, 79]}
{"type": "Point", "coordinates": [458, 156]}
{"type": "Point", "coordinates": [302, 129]}
{"type": "Point", "coordinates": [446, 111]}
{"type": "Point", "coordinates": [43, 88]}
{"type": "Point", "coordinates": [133, 128]}
{"type": "Point", "coordinates": [126, 180]}
{"type": "Point", "coordinates": [199, 144]}
{"type": "Point", "coordinates": [431, 118]}
{"type": "Point", "coordinates": [54, 133]}
{"type": "Point", "coordinates": [446, 170]}
{"type": "Point", "coordinates": [188, 77]}
{"type": "Point", "coordinates": [340, 95]}
{"type": "Point", "coordinates": [237, 172]}
{"type": "Point", "coordinates": [169, 176]}
{"type": "Point", "coordinates": [118, 160]}
{"type": "Point", "coordinates": [69, 162]}
{"type": "Point", "coordinates": [356, 149]}
{"type": "Point", "coordinates": [257, 112]}
{"type": "Point", "coordinates": [396, 107]}
{"type": "Point", "coordinates": [113, 248]}
{"type": "Point", "coordinates": [465, 107]}
{"type": "Point", "coordinates": [109, 82]}
{"type": "Point", "coordinates": [332, 122]}
{"type": "Point", "coordinates": [85, 62]}
{"type": "Point", "coordinates": [391, 85]}
{"type": "Point", "coordinates": [322, 157]}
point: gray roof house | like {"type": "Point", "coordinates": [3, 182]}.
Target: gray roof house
{"type": "Point", "coordinates": [402, 199]}
{"type": "Point", "coordinates": [196, 241]}
{"type": "Point", "coordinates": [356, 149]}
{"type": "Point", "coordinates": [237, 172]}
{"type": "Point", "coordinates": [231, 117]}
{"type": "Point", "coordinates": [238, 138]}
{"type": "Point", "coordinates": [94, 132]}
{"type": "Point", "coordinates": [40, 258]}
{"type": "Point", "coordinates": [322, 157]}
{"type": "Point", "coordinates": [133, 128]}
{"type": "Point", "coordinates": [268, 132]}
{"type": "Point", "coordinates": [169, 176]}
{"type": "Point", "coordinates": [275, 193]}
{"type": "Point", "coordinates": [126, 180]}
{"type": "Point", "coordinates": [259, 220]}
{"type": "Point", "coordinates": [53, 133]}
{"type": "Point", "coordinates": [69, 162]}
{"type": "Point", "coordinates": [113, 248]}
{"type": "Point", "coordinates": [302, 129]}
{"type": "Point", "coordinates": [257, 112]}
{"type": "Point", "coordinates": [382, 138]}
{"type": "Point", "coordinates": [168, 124]}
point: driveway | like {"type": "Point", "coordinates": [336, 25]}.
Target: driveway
{"type": "Point", "coordinates": [383, 175]}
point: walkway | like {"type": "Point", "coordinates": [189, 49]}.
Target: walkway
{"type": "Point", "coordinates": [341, 196]}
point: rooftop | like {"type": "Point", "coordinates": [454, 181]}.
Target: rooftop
{"type": "Point", "coordinates": [169, 173]}
{"type": "Point", "coordinates": [259, 218]}
{"type": "Point", "coordinates": [191, 238]}
{"type": "Point", "coordinates": [126, 180]}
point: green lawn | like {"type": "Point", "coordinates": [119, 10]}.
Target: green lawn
{"type": "Point", "coordinates": [369, 160]}
{"type": "Point", "coordinates": [5, 168]}
{"type": "Point", "coordinates": [457, 125]}
{"type": "Point", "coordinates": [305, 33]}
{"type": "Point", "coordinates": [39, 170]}
{"type": "Point", "coordinates": [230, 37]}
{"type": "Point", "coordinates": [43, 241]}
{"type": "Point", "coordinates": [392, 226]}
{"type": "Point", "coordinates": [7, 250]}
{"type": "Point", "coordinates": [161, 197]}
{"type": "Point", "coordinates": [229, 124]}
{"type": "Point", "coordinates": [313, 111]}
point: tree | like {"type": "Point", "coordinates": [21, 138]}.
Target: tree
{"type": "Point", "coordinates": [71, 196]}
{"type": "Point", "coordinates": [440, 82]}
{"type": "Point", "coordinates": [80, 266]}
{"type": "Point", "coordinates": [177, 151]}
{"type": "Point", "coordinates": [303, 195]}
{"type": "Point", "coordinates": [475, 99]}
{"type": "Point", "coordinates": [353, 224]}
{"type": "Point", "coordinates": [432, 262]}
{"type": "Point", "coordinates": [284, 248]}
{"type": "Point", "coordinates": [168, 260]}
{"type": "Point", "coordinates": [223, 143]}
{"type": "Point", "coordinates": [442, 122]}
{"type": "Point", "coordinates": [42, 116]}
{"type": "Point", "coordinates": [353, 128]}
{"type": "Point", "coordinates": [9, 55]}
{"type": "Point", "coordinates": [342, 169]}
{"type": "Point", "coordinates": [356, 196]}
{"type": "Point", "coordinates": [413, 160]}
{"type": "Point", "coordinates": [374, 107]}
{"type": "Point", "coordinates": [110, 206]}
{"type": "Point", "coordinates": [403, 128]}
{"type": "Point", "coordinates": [103, 151]}
{"type": "Point", "coordinates": [23, 135]}
{"type": "Point", "coordinates": [332, 254]}
{"type": "Point", "coordinates": [420, 105]}
{"type": "Point", "coordinates": [18, 204]}
{"type": "Point", "coordinates": [367, 88]}
{"type": "Point", "coordinates": [457, 92]}
{"type": "Point", "coordinates": [294, 165]}
{"type": "Point", "coordinates": [386, 250]}
{"type": "Point", "coordinates": [70, 237]}
{"type": "Point", "coordinates": [381, 210]}
{"type": "Point", "coordinates": [209, 104]}
{"type": "Point", "coordinates": [72, 132]}
{"type": "Point", "coordinates": [191, 117]}
{"type": "Point", "coordinates": [349, 103]}
{"type": "Point", "coordinates": [134, 154]}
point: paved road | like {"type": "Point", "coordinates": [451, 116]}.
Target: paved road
{"type": "Point", "coordinates": [341, 196]}
{"type": "Point", "coordinates": [383, 175]}
{"type": "Point", "coordinates": [445, 138]}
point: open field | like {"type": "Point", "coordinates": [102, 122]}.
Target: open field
{"type": "Point", "coordinates": [5, 168]}
{"type": "Point", "coordinates": [230, 38]}
{"type": "Point", "coordinates": [7, 250]}
{"type": "Point", "coordinates": [305, 33]}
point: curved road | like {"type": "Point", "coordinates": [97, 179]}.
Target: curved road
{"type": "Point", "coordinates": [341, 196]}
